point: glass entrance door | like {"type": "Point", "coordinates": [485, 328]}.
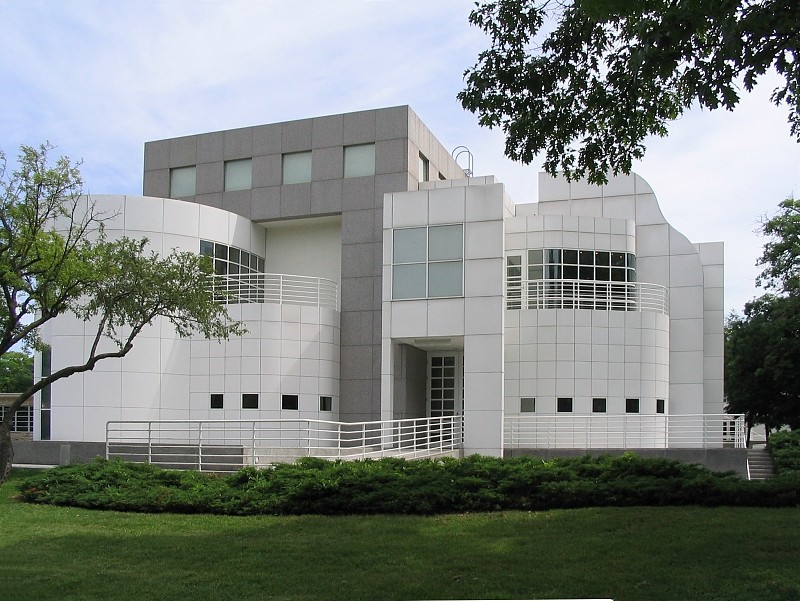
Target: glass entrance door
{"type": "Point", "coordinates": [445, 383]}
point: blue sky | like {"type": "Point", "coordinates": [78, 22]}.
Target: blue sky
{"type": "Point", "coordinates": [99, 78]}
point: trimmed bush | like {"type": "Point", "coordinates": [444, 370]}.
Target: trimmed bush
{"type": "Point", "coordinates": [785, 450]}
{"type": "Point", "coordinates": [397, 486]}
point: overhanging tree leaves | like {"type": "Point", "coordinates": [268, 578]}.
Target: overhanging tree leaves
{"type": "Point", "coordinates": [55, 260]}
{"type": "Point", "coordinates": [16, 371]}
{"type": "Point", "coordinates": [762, 347]}
{"type": "Point", "coordinates": [611, 72]}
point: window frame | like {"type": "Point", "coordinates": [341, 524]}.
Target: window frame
{"type": "Point", "coordinates": [456, 258]}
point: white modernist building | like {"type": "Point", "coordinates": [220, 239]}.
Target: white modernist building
{"type": "Point", "coordinates": [381, 286]}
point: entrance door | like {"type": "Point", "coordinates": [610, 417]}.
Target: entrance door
{"type": "Point", "coordinates": [445, 383]}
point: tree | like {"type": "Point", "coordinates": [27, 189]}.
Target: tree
{"type": "Point", "coordinates": [56, 260]}
{"type": "Point", "coordinates": [762, 347]}
{"type": "Point", "coordinates": [762, 352]}
{"type": "Point", "coordinates": [16, 371]}
{"type": "Point", "coordinates": [611, 72]}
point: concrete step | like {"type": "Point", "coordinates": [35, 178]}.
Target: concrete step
{"type": "Point", "coordinates": [760, 464]}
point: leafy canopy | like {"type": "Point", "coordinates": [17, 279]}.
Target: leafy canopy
{"type": "Point", "coordinates": [55, 259]}
{"type": "Point", "coordinates": [16, 371]}
{"type": "Point", "coordinates": [586, 81]}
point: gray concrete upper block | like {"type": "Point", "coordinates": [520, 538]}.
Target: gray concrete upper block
{"type": "Point", "coordinates": [357, 294]}
{"type": "Point", "coordinates": [265, 204]}
{"type": "Point", "coordinates": [267, 139]}
{"type": "Point", "coordinates": [358, 193]}
{"type": "Point", "coordinates": [377, 329]}
{"type": "Point", "coordinates": [327, 163]}
{"type": "Point", "coordinates": [156, 183]}
{"type": "Point", "coordinates": [358, 226]}
{"type": "Point", "coordinates": [210, 178]}
{"type": "Point", "coordinates": [210, 147]}
{"type": "Point", "coordinates": [357, 327]}
{"type": "Point", "coordinates": [388, 183]}
{"type": "Point", "coordinates": [296, 135]}
{"type": "Point", "coordinates": [392, 123]}
{"type": "Point", "coordinates": [156, 155]}
{"type": "Point", "coordinates": [211, 200]}
{"type": "Point", "coordinates": [296, 200]}
{"type": "Point", "coordinates": [359, 128]}
{"type": "Point", "coordinates": [238, 143]}
{"type": "Point", "coordinates": [267, 171]}
{"type": "Point", "coordinates": [358, 260]}
{"type": "Point", "coordinates": [356, 362]}
{"type": "Point", "coordinates": [238, 201]}
{"type": "Point", "coordinates": [327, 131]}
{"type": "Point", "coordinates": [391, 156]}
{"type": "Point", "coordinates": [357, 401]}
{"type": "Point", "coordinates": [326, 197]}
{"type": "Point", "coordinates": [183, 151]}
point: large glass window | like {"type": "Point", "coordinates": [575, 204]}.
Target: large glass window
{"type": "Point", "coordinates": [297, 167]}
{"type": "Point", "coordinates": [428, 262]}
{"type": "Point", "coordinates": [238, 175]}
{"type": "Point", "coordinates": [238, 274]}
{"type": "Point", "coordinates": [359, 160]}
{"type": "Point", "coordinates": [182, 181]}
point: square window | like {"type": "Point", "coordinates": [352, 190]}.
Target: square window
{"type": "Point", "coordinates": [182, 181]}
{"type": "Point", "coordinates": [598, 405]}
{"type": "Point", "coordinates": [527, 405]}
{"type": "Point", "coordinates": [424, 168]}
{"type": "Point", "coordinates": [290, 402]}
{"type": "Point", "coordinates": [326, 403]}
{"type": "Point", "coordinates": [564, 405]}
{"type": "Point", "coordinates": [410, 245]}
{"type": "Point", "coordinates": [408, 281]}
{"type": "Point", "coordinates": [660, 405]}
{"type": "Point", "coordinates": [238, 175]}
{"type": "Point", "coordinates": [216, 401]}
{"type": "Point", "coordinates": [249, 400]}
{"type": "Point", "coordinates": [571, 256]}
{"type": "Point", "coordinates": [445, 242]}
{"type": "Point", "coordinates": [535, 257]}
{"type": "Point", "coordinates": [359, 161]}
{"type": "Point", "coordinates": [297, 167]}
{"type": "Point", "coordinates": [631, 405]}
{"type": "Point", "coordinates": [445, 279]}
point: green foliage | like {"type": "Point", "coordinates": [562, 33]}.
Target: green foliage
{"type": "Point", "coordinates": [55, 259]}
{"type": "Point", "coordinates": [785, 450]}
{"type": "Point", "coordinates": [781, 257]}
{"type": "Point", "coordinates": [762, 347]}
{"type": "Point", "coordinates": [16, 372]}
{"type": "Point", "coordinates": [397, 486]}
{"type": "Point", "coordinates": [588, 90]}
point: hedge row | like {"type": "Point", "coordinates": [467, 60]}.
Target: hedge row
{"type": "Point", "coordinates": [397, 486]}
{"type": "Point", "coordinates": [785, 450]}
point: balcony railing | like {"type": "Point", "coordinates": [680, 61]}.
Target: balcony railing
{"type": "Point", "coordinates": [626, 431]}
{"type": "Point", "coordinates": [221, 445]}
{"type": "Point", "coordinates": [276, 288]}
{"type": "Point", "coordinates": [586, 294]}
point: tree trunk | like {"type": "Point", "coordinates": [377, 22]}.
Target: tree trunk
{"type": "Point", "coordinates": [6, 451]}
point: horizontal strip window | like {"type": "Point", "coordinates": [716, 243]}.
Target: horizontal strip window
{"type": "Point", "coordinates": [22, 420]}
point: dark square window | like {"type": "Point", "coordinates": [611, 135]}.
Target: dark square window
{"type": "Point", "coordinates": [527, 405]}
{"type": "Point", "coordinates": [216, 401]}
{"type": "Point", "coordinates": [631, 405]}
{"type": "Point", "coordinates": [249, 400]}
{"type": "Point", "coordinates": [289, 401]}
{"type": "Point", "coordinates": [326, 403]}
{"type": "Point", "coordinates": [599, 405]}
{"type": "Point", "coordinates": [564, 405]}
{"type": "Point", "coordinates": [660, 405]}
{"type": "Point", "coordinates": [571, 256]}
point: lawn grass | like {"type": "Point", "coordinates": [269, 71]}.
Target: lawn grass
{"type": "Point", "coordinates": [621, 553]}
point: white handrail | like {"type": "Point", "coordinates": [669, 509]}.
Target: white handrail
{"type": "Point", "coordinates": [586, 294]}
{"type": "Point", "coordinates": [280, 288]}
{"type": "Point", "coordinates": [258, 442]}
{"type": "Point", "coordinates": [625, 431]}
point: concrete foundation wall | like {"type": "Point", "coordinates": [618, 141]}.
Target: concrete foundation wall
{"type": "Point", "coordinates": [54, 452]}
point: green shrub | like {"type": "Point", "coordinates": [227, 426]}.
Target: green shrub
{"type": "Point", "coordinates": [397, 486]}
{"type": "Point", "coordinates": [785, 450]}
